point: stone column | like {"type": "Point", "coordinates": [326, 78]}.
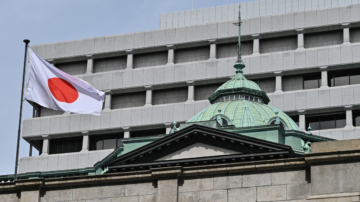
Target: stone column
{"type": "Point", "coordinates": [148, 100]}
{"type": "Point", "coordinates": [126, 132]}
{"type": "Point", "coordinates": [324, 77]}
{"type": "Point", "coordinates": [168, 127]}
{"type": "Point", "coordinates": [130, 58]}
{"type": "Point", "coordinates": [171, 54]}
{"type": "Point", "coordinates": [256, 44]}
{"type": "Point", "coordinates": [346, 33]}
{"type": "Point", "coordinates": [300, 37]}
{"type": "Point", "coordinates": [107, 106]}
{"type": "Point", "coordinates": [278, 83]}
{"type": "Point", "coordinates": [90, 64]}
{"type": "Point", "coordinates": [45, 147]}
{"type": "Point", "coordinates": [349, 117]}
{"type": "Point", "coordinates": [213, 43]}
{"type": "Point", "coordinates": [85, 144]}
{"type": "Point", "coordinates": [302, 122]}
{"type": "Point", "coordinates": [191, 91]}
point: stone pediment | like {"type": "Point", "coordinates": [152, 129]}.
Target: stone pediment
{"type": "Point", "coordinates": [197, 150]}
{"type": "Point", "coordinates": [198, 145]}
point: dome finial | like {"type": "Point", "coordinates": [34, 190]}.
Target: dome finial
{"type": "Point", "coordinates": [239, 65]}
{"type": "Point", "coordinates": [309, 129]}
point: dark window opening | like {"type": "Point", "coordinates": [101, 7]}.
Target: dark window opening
{"type": "Point", "coordinates": [281, 124]}
{"type": "Point", "coordinates": [106, 141]}
{"type": "Point", "coordinates": [327, 121]}
{"type": "Point", "coordinates": [295, 119]}
{"type": "Point", "coordinates": [356, 117]}
{"type": "Point", "coordinates": [344, 77]}
{"type": "Point", "coordinates": [142, 133]}
{"type": "Point", "coordinates": [66, 145]}
{"type": "Point", "coordinates": [224, 122]}
{"type": "Point", "coordinates": [37, 144]}
{"type": "Point", "coordinates": [312, 81]}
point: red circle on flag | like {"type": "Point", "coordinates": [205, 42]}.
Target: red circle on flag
{"type": "Point", "coordinates": [62, 90]}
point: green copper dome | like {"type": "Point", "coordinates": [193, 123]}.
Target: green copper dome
{"type": "Point", "coordinates": [239, 81]}
{"type": "Point", "coordinates": [244, 113]}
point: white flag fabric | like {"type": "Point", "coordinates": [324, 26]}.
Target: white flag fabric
{"type": "Point", "coordinates": [52, 88]}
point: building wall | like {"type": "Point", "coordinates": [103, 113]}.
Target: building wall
{"type": "Point", "coordinates": [192, 54]}
{"type": "Point", "coordinates": [49, 112]}
{"type": "Point", "coordinates": [73, 68]}
{"type": "Point", "coordinates": [66, 161]}
{"type": "Point", "coordinates": [169, 96]}
{"type": "Point", "coordinates": [323, 39]}
{"type": "Point", "coordinates": [248, 10]}
{"type": "Point", "coordinates": [150, 59]}
{"type": "Point", "coordinates": [199, 70]}
{"type": "Point", "coordinates": [278, 44]}
{"type": "Point", "coordinates": [230, 49]}
{"type": "Point", "coordinates": [109, 64]}
{"type": "Point", "coordinates": [127, 100]}
{"type": "Point", "coordinates": [139, 192]}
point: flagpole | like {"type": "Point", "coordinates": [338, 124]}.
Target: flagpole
{"type": "Point", "coordinates": [26, 41]}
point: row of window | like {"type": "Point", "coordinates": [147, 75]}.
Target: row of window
{"type": "Point", "coordinates": [112, 141]}
{"type": "Point", "coordinates": [238, 97]}
{"type": "Point", "coordinates": [97, 142]}
{"type": "Point", "coordinates": [284, 43]}
{"type": "Point", "coordinates": [328, 121]}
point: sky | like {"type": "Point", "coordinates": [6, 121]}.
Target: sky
{"type": "Point", "coordinates": [44, 21]}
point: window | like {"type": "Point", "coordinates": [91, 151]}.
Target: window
{"type": "Point", "coordinates": [66, 145]}
{"type": "Point", "coordinates": [327, 121]}
{"type": "Point", "coordinates": [295, 119]}
{"type": "Point", "coordinates": [344, 77]}
{"type": "Point", "coordinates": [281, 124]}
{"type": "Point", "coordinates": [111, 141]}
{"type": "Point", "coordinates": [356, 117]}
{"type": "Point", "coordinates": [312, 81]}
{"type": "Point", "coordinates": [142, 133]}
{"type": "Point", "coordinates": [224, 122]}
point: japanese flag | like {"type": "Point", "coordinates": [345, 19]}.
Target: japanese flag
{"type": "Point", "coordinates": [52, 88]}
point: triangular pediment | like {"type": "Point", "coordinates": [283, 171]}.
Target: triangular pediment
{"type": "Point", "coordinates": [199, 144]}
{"type": "Point", "coordinates": [197, 150]}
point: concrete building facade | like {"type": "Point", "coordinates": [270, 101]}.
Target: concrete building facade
{"type": "Point", "coordinates": [304, 54]}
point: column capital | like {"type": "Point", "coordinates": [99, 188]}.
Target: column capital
{"type": "Point", "coordinates": [256, 36]}
{"type": "Point", "coordinates": [168, 124]}
{"type": "Point", "coordinates": [85, 133]}
{"type": "Point", "coordinates": [130, 51]}
{"type": "Point", "coordinates": [149, 87]}
{"type": "Point", "coordinates": [190, 83]}
{"type": "Point", "coordinates": [300, 31]}
{"type": "Point", "coordinates": [348, 107]}
{"type": "Point", "coordinates": [170, 46]}
{"type": "Point", "coordinates": [213, 41]}
{"type": "Point", "coordinates": [89, 56]}
{"type": "Point", "coordinates": [278, 73]}
{"type": "Point", "coordinates": [126, 129]}
{"type": "Point", "coordinates": [51, 60]}
{"type": "Point", "coordinates": [345, 25]}
{"type": "Point", "coordinates": [108, 92]}
{"type": "Point", "coordinates": [301, 112]}
{"type": "Point", "coordinates": [324, 68]}
{"type": "Point", "coordinates": [45, 137]}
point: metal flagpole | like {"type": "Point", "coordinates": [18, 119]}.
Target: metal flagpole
{"type": "Point", "coordinates": [26, 41]}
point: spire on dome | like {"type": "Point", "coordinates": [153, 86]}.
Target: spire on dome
{"type": "Point", "coordinates": [239, 65]}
